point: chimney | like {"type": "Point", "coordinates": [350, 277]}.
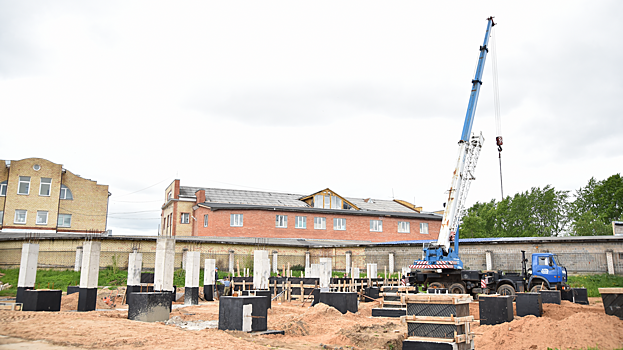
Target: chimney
{"type": "Point", "coordinates": [201, 196]}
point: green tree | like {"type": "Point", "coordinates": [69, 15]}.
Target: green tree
{"type": "Point", "coordinates": [596, 205]}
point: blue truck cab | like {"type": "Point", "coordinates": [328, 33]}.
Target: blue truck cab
{"type": "Point", "coordinates": [546, 271]}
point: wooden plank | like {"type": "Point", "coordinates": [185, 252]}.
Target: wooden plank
{"type": "Point", "coordinates": [439, 319]}
{"type": "Point", "coordinates": [439, 298]}
{"type": "Point", "coordinates": [611, 290]}
{"type": "Point", "coordinates": [460, 338]}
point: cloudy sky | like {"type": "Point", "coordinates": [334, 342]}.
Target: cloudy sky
{"type": "Point", "coordinates": [366, 98]}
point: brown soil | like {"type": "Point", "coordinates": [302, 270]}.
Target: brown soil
{"type": "Point", "coordinates": [566, 326]}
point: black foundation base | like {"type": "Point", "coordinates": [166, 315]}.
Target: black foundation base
{"type": "Point", "coordinates": [42, 300]}
{"type": "Point", "coordinates": [575, 295]}
{"type": "Point", "coordinates": [230, 314]}
{"type": "Point", "coordinates": [87, 299]}
{"type": "Point", "coordinates": [423, 345]}
{"type": "Point", "coordinates": [191, 296]}
{"type": "Point", "coordinates": [613, 304]}
{"type": "Point", "coordinates": [342, 301]}
{"type": "Point", "coordinates": [529, 304]}
{"type": "Point", "coordinates": [388, 312]}
{"type": "Point", "coordinates": [208, 292]}
{"type": "Point", "coordinates": [150, 307]}
{"type": "Point", "coordinates": [439, 310]}
{"type": "Point", "coordinates": [19, 298]}
{"type": "Point", "coordinates": [73, 289]}
{"type": "Point", "coordinates": [550, 296]}
{"type": "Point", "coordinates": [128, 293]}
{"type": "Point", "coordinates": [371, 293]}
{"type": "Point", "coordinates": [495, 309]}
{"type": "Point", "coordinates": [260, 293]}
{"type": "Point", "coordinates": [171, 295]}
{"type": "Point", "coordinates": [316, 295]}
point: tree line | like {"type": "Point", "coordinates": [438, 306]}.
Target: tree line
{"type": "Point", "coordinates": [547, 212]}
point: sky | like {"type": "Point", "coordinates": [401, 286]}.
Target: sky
{"type": "Point", "coordinates": [366, 98]}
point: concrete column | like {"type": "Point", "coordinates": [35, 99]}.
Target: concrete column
{"type": "Point", "coordinates": [391, 262]}
{"type": "Point", "coordinates": [27, 270]}
{"type": "Point", "coordinates": [489, 259]}
{"type": "Point", "coordinates": [372, 271]}
{"type": "Point", "coordinates": [356, 273]}
{"type": "Point", "coordinates": [314, 271]}
{"type": "Point", "coordinates": [209, 279]}
{"type": "Point", "coordinates": [78, 262]}
{"type": "Point", "coordinates": [609, 262]}
{"type": "Point", "coordinates": [89, 274]}
{"type": "Point", "coordinates": [164, 265]}
{"type": "Point", "coordinates": [191, 290]}
{"type": "Point", "coordinates": [261, 269]}
{"type": "Point", "coordinates": [349, 255]}
{"type": "Point", "coordinates": [275, 261]}
{"type": "Point", "coordinates": [307, 260]}
{"type": "Point", "coordinates": [231, 262]}
{"type": "Point", "coordinates": [184, 253]}
{"type": "Point", "coordinates": [135, 264]}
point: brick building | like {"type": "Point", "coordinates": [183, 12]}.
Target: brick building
{"type": "Point", "coordinates": [37, 195]}
{"type": "Point", "coordinates": [195, 211]}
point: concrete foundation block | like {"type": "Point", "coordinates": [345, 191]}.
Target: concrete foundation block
{"type": "Point", "coordinates": [438, 310]}
{"type": "Point", "coordinates": [150, 307]}
{"type": "Point", "coordinates": [73, 289]}
{"type": "Point", "coordinates": [87, 299]}
{"type": "Point", "coordinates": [191, 296]}
{"type": "Point", "coordinates": [495, 309]}
{"type": "Point", "coordinates": [613, 301]}
{"type": "Point", "coordinates": [42, 300]}
{"type": "Point", "coordinates": [529, 304]}
{"type": "Point", "coordinates": [426, 345]}
{"type": "Point", "coordinates": [208, 292]}
{"type": "Point", "coordinates": [19, 297]}
{"type": "Point", "coordinates": [388, 312]}
{"type": "Point", "coordinates": [371, 293]}
{"type": "Point", "coordinates": [550, 296]}
{"type": "Point", "coordinates": [247, 313]}
{"type": "Point", "coordinates": [260, 293]}
{"type": "Point", "coordinates": [342, 301]}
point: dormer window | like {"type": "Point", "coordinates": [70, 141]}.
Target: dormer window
{"type": "Point", "coordinates": [328, 201]}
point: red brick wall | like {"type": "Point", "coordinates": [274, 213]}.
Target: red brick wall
{"type": "Point", "coordinates": [260, 223]}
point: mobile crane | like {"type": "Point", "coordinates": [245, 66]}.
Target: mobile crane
{"type": "Point", "coordinates": [441, 266]}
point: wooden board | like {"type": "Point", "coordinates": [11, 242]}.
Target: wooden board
{"type": "Point", "coordinates": [611, 290]}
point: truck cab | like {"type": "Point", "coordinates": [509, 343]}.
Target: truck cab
{"type": "Point", "coordinates": [546, 271]}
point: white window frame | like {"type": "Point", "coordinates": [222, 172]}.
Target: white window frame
{"type": "Point", "coordinates": [404, 227]}
{"type": "Point", "coordinates": [236, 220]}
{"type": "Point", "coordinates": [320, 223]}
{"type": "Point", "coordinates": [376, 225]}
{"type": "Point", "coordinates": [169, 195]}
{"type": "Point", "coordinates": [339, 224]}
{"type": "Point", "coordinates": [3, 186]}
{"type": "Point", "coordinates": [281, 221]}
{"type": "Point", "coordinates": [64, 191]}
{"type": "Point", "coordinates": [17, 215]}
{"type": "Point", "coordinates": [61, 220]}
{"type": "Point", "coordinates": [185, 218]}
{"type": "Point", "coordinates": [300, 222]}
{"type": "Point", "coordinates": [205, 220]}
{"type": "Point", "coordinates": [27, 182]}
{"type": "Point", "coordinates": [424, 228]}
{"type": "Point", "coordinates": [48, 185]}
{"type": "Point", "coordinates": [39, 212]}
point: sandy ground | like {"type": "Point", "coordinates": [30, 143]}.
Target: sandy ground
{"type": "Point", "coordinates": [565, 326]}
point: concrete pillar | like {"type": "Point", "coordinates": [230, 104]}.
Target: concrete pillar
{"type": "Point", "coordinates": [391, 262]}
{"type": "Point", "coordinates": [164, 265]}
{"type": "Point", "coordinates": [329, 263]}
{"type": "Point", "coordinates": [261, 269]}
{"type": "Point", "coordinates": [78, 262]}
{"type": "Point", "coordinates": [489, 259]}
{"type": "Point", "coordinates": [308, 272]}
{"type": "Point", "coordinates": [184, 253]}
{"type": "Point", "coordinates": [349, 255]}
{"type": "Point", "coordinates": [27, 270]}
{"type": "Point", "coordinates": [307, 260]}
{"type": "Point", "coordinates": [372, 271]}
{"type": "Point", "coordinates": [209, 279]}
{"type": "Point", "coordinates": [89, 274]}
{"type": "Point", "coordinates": [135, 264]}
{"type": "Point", "coordinates": [314, 271]}
{"type": "Point", "coordinates": [356, 273]}
{"type": "Point", "coordinates": [231, 262]}
{"type": "Point", "coordinates": [191, 285]}
{"type": "Point", "coordinates": [275, 261]}
{"type": "Point", "coordinates": [609, 262]}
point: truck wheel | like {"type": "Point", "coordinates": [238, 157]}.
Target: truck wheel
{"type": "Point", "coordinates": [436, 285]}
{"type": "Point", "coordinates": [457, 288]}
{"type": "Point", "coordinates": [506, 289]}
{"type": "Point", "coordinates": [538, 288]}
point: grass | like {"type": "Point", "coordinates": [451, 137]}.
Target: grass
{"type": "Point", "coordinates": [592, 283]}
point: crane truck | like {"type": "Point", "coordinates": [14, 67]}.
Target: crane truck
{"type": "Point", "coordinates": [441, 266]}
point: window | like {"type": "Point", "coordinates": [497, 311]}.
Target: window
{"type": "Point", "coordinates": [205, 220]}
{"type": "Point", "coordinates": [404, 227]}
{"type": "Point", "coordinates": [169, 195]}
{"type": "Point", "coordinates": [320, 223]}
{"type": "Point", "coordinates": [64, 220]}
{"type": "Point", "coordinates": [281, 221]}
{"type": "Point", "coordinates": [301, 222]}
{"type": "Point", "coordinates": [328, 202]}
{"type": "Point", "coordinates": [20, 216]}
{"type": "Point", "coordinates": [66, 193]}
{"type": "Point", "coordinates": [24, 185]}
{"type": "Point", "coordinates": [42, 217]}
{"type": "Point", "coordinates": [3, 188]}
{"type": "Point", "coordinates": [45, 186]}
{"type": "Point", "coordinates": [1, 217]}
{"type": "Point", "coordinates": [185, 219]}
{"type": "Point", "coordinates": [235, 220]}
{"type": "Point", "coordinates": [424, 228]}
{"type": "Point", "coordinates": [339, 224]}
{"type": "Point", "coordinates": [376, 225]}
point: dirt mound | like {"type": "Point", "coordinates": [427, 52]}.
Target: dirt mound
{"type": "Point", "coordinates": [388, 335]}
{"type": "Point", "coordinates": [69, 302]}
{"type": "Point", "coordinates": [568, 309]}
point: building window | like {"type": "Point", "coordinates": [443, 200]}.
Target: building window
{"type": "Point", "coordinates": [1, 217]}
{"type": "Point", "coordinates": [404, 227]}
{"type": "Point", "coordinates": [301, 222]}
{"type": "Point", "coordinates": [376, 225]}
{"type": "Point", "coordinates": [327, 201]}
{"type": "Point", "coordinates": [205, 220]}
{"type": "Point", "coordinates": [45, 186]}
{"type": "Point", "coordinates": [185, 219]}
{"type": "Point", "coordinates": [3, 188]}
{"type": "Point", "coordinates": [64, 220]}
{"type": "Point", "coordinates": [424, 228]}
{"type": "Point", "coordinates": [320, 223]}
{"type": "Point", "coordinates": [339, 224]}
{"type": "Point", "coordinates": [169, 195]}
{"type": "Point", "coordinates": [24, 185]}
{"type": "Point", "coordinates": [281, 221]}
{"type": "Point", "coordinates": [66, 193]}
{"type": "Point", "coordinates": [20, 216]}
{"type": "Point", "coordinates": [42, 217]}
{"type": "Point", "coordinates": [235, 220]}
